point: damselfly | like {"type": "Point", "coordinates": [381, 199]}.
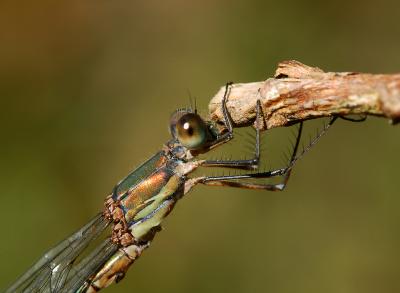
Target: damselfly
{"type": "Point", "coordinates": [139, 203]}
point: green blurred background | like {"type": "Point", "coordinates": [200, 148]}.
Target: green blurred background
{"type": "Point", "coordinates": [86, 91]}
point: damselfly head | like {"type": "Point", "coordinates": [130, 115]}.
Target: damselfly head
{"type": "Point", "coordinates": [192, 131]}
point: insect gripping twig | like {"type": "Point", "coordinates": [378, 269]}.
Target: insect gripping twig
{"type": "Point", "coordinates": [299, 92]}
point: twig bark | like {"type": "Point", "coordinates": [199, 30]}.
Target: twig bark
{"type": "Point", "coordinates": [300, 92]}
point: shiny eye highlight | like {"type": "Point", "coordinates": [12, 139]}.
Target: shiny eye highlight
{"type": "Point", "coordinates": [191, 131]}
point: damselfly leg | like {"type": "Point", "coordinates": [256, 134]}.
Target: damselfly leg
{"type": "Point", "coordinates": [241, 181]}
{"type": "Point", "coordinates": [251, 164]}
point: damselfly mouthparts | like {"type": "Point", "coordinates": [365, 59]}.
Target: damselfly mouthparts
{"type": "Point", "coordinates": [139, 203]}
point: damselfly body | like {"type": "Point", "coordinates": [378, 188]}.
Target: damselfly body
{"type": "Point", "coordinates": [139, 203]}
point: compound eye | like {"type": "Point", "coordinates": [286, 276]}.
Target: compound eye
{"type": "Point", "coordinates": [191, 131]}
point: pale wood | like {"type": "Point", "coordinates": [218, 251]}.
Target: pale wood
{"type": "Point", "coordinates": [299, 92]}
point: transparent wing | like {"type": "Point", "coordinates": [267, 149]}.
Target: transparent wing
{"type": "Point", "coordinates": [49, 273]}
{"type": "Point", "coordinates": [81, 273]}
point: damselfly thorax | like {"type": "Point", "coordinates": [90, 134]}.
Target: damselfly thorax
{"type": "Point", "coordinates": [138, 204]}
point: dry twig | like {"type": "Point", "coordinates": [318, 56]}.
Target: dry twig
{"type": "Point", "coordinates": [299, 92]}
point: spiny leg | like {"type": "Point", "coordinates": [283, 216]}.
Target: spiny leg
{"type": "Point", "coordinates": [240, 180]}
{"type": "Point", "coordinates": [251, 164]}
{"type": "Point", "coordinates": [227, 136]}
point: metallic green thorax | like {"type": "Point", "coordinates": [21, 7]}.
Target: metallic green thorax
{"type": "Point", "coordinates": [141, 201]}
